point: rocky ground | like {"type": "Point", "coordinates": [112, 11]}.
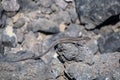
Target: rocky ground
{"type": "Point", "coordinates": [29, 27]}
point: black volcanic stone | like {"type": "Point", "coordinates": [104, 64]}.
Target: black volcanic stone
{"type": "Point", "coordinates": [95, 12]}
{"type": "Point", "coordinates": [109, 43]}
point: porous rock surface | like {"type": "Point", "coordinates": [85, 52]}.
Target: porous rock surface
{"type": "Point", "coordinates": [29, 27]}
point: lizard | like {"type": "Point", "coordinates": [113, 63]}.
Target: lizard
{"type": "Point", "coordinates": [59, 41]}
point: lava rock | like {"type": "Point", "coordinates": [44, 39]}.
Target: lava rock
{"type": "Point", "coordinates": [46, 10]}
{"type": "Point", "coordinates": [74, 30]}
{"type": "Point", "coordinates": [79, 71]}
{"type": "Point", "coordinates": [61, 3]}
{"type": "Point", "coordinates": [1, 15]}
{"type": "Point", "coordinates": [19, 23]}
{"type": "Point", "coordinates": [9, 71]}
{"type": "Point", "coordinates": [96, 12]}
{"type": "Point", "coordinates": [109, 43]}
{"type": "Point", "coordinates": [43, 25]}
{"type": "Point", "coordinates": [38, 70]}
{"type": "Point", "coordinates": [9, 37]}
{"type": "Point", "coordinates": [22, 54]}
{"type": "Point", "coordinates": [109, 77]}
{"type": "Point", "coordinates": [61, 17]}
{"type": "Point", "coordinates": [79, 52]}
{"type": "Point", "coordinates": [31, 43]}
{"type": "Point", "coordinates": [31, 5]}
{"type": "Point", "coordinates": [20, 36]}
{"type": "Point", "coordinates": [10, 13]}
{"type": "Point", "coordinates": [10, 5]}
{"type": "Point", "coordinates": [1, 10]}
{"type": "Point", "coordinates": [73, 15]}
{"type": "Point", "coordinates": [45, 3]}
{"type": "Point", "coordinates": [1, 46]}
{"type": "Point", "coordinates": [23, 71]}
{"type": "Point", "coordinates": [57, 69]}
{"type": "Point", "coordinates": [54, 8]}
{"type": "Point", "coordinates": [106, 66]}
{"type": "Point", "coordinates": [116, 73]}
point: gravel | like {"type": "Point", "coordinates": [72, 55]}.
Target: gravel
{"type": "Point", "coordinates": [96, 12]}
{"type": "Point", "coordinates": [29, 27]}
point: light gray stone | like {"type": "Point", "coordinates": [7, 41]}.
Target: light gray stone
{"type": "Point", "coordinates": [10, 5]}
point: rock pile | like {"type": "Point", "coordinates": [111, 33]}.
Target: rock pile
{"type": "Point", "coordinates": [29, 27]}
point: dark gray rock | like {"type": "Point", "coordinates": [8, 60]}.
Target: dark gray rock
{"type": "Point", "coordinates": [79, 52]}
{"type": "Point", "coordinates": [74, 30]}
{"type": "Point", "coordinates": [45, 3]}
{"type": "Point", "coordinates": [31, 5]}
{"type": "Point", "coordinates": [18, 55]}
{"type": "Point", "coordinates": [3, 20]}
{"type": "Point", "coordinates": [73, 14]}
{"type": "Point", "coordinates": [46, 10]}
{"type": "Point", "coordinates": [31, 43]}
{"type": "Point", "coordinates": [9, 71]}
{"type": "Point", "coordinates": [116, 73]}
{"type": "Point", "coordinates": [20, 35]}
{"type": "Point", "coordinates": [79, 71]}
{"type": "Point", "coordinates": [43, 25]}
{"type": "Point", "coordinates": [61, 3]}
{"type": "Point", "coordinates": [54, 8]}
{"type": "Point", "coordinates": [1, 16]}
{"type": "Point", "coordinates": [1, 49]}
{"type": "Point", "coordinates": [38, 70]}
{"type": "Point", "coordinates": [70, 51]}
{"type": "Point", "coordinates": [57, 69]}
{"type": "Point", "coordinates": [109, 43]}
{"type": "Point", "coordinates": [10, 5]}
{"type": "Point", "coordinates": [96, 12]}
{"type": "Point", "coordinates": [106, 66]}
{"type": "Point", "coordinates": [19, 23]}
{"type": "Point", "coordinates": [9, 37]}
{"type": "Point", "coordinates": [61, 17]}
{"type": "Point", "coordinates": [106, 77]}
{"type": "Point", "coordinates": [10, 13]}
{"type": "Point", "coordinates": [29, 70]}
{"type": "Point", "coordinates": [1, 46]}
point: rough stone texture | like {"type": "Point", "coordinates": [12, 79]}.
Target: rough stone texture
{"type": "Point", "coordinates": [73, 15]}
{"type": "Point", "coordinates": [24, 71]}
{"type": "Point", "coordinates": [1, 46]}
{"type": "Point", "coordinates": [96, 12]}
{"type": "Point", "coordinates": [19, 23]}
{"type": "Point", "coordinates": [103, 67]}
{"type": "Point", "coordinates": [74, 30]}
{"type": "Point", "coordinates": [43, 25]}
{"type": "Point", "coordinates": [44, 3]}
{"type": "Point", "coordinates": [1, 10]}
{"type": "Point", "coordinates": [30, 5]}
{"type": "Point", "coordinates": [81, 52]}
{"type": "Point", "coordinates": [30, 37]}
{"type": "Point", "coordinates": [79, 71]}
{"type": "Point", "coordinates": [109, 43]}
{"type": "Point", "coordinates": [8, 36]}
{"type": "Point", "coordinates": [10, 5]}
{"type": "Point", "coordinates": [57, 68]}
{"type": "Point", "coordinates": [82, 60]}
{"type": "Point", "coordinates": [61, 3]}
{"type": "Point", "coordinates": [20, 36]}
{"type": "Point", "coordinates": [61, 17]}
{"type": "Point", "coordinates": [21, 54]}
